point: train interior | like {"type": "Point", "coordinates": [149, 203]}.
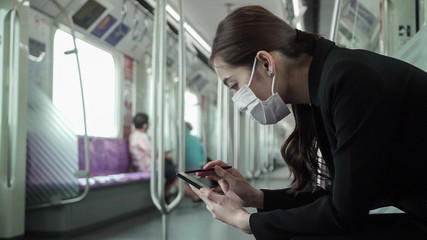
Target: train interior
{"type": "Point", "coordinates": [80, 70]}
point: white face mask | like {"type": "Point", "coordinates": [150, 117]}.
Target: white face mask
{"type": "Point", "coordinates": [265, 112]}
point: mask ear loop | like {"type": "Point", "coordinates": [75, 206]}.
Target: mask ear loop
{"type": "Point", "coordinates": [274, 81]}
{"type": "Point", "coordinates": [252, 73]}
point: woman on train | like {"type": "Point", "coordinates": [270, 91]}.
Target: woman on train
{"type": "Point", "coordinates": [365, 112]}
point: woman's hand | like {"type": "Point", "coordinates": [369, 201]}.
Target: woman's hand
{"type": "Point", "coordinates": [234, 185]}
{"type": "Point", "coordinates": [225, 209]}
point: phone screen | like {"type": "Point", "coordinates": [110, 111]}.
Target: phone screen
{"type": "Point", "coordinates": [191, 180]}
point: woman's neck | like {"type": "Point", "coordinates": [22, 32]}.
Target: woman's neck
{"type": "Point", "coordinates": [298, 71]}
{"type": "Point", "coordinates": [141, 130]}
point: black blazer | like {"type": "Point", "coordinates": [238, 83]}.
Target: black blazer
{"type": "Point", "coordinates": [371, 125]}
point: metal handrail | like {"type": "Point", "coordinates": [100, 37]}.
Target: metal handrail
{"type": "Point", "coordinates": [255, 127]}
{"type": "Point", "coordinates": [265, 152]}
{"type": "Point", "coordinates": [385, 28]}
{"type": "Point", "coordinates": [153, 110]}
{"type": "Point", "coordinates": [11, 83]}
{"type": "Point", "coordinates": [335, 20]}
{"type": "Point", "coordinates": [219, 120]}
{"type": "Point", "coordinates": [226, 128]}
{"type": "Point", "coordinates": [4, 124]}
{"type": "Point", "coordinates": [157, 187]}
{"type": "Point", "coordinates": [236, 137]}
{"type": "Point", "coordinates": [86, 172]}
{"type": "Point", "coordinates": [271, 147]}
{"type": "Point", "coordinates": [158, 50]}
{"type": "Point", "coordinates": [181, 110]}
{"type": "Point", "coordinates": [247, 145]}
{"type": "Point", "coordinates": [250, 129]}
{"type": "Point", "coordinates": [204, 120]}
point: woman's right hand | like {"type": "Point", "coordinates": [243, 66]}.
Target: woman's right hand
{"type": "Point", "coordinates": [234, 185]}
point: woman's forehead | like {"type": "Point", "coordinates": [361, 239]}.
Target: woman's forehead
{"type": "Point", "coordinates": [220, 63]}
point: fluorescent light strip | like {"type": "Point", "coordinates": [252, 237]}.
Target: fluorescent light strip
{"type": "Point", "coordinates": [198, 38]}
{"type": "Point", "coordinates": [189, 29]}
{"type": "Point", "coordinates": [172, 12]}
{"type": "Point", "coordinates": [295, 4]}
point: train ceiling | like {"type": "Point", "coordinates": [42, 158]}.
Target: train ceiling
{"type": "Point", "coordinates": [208, 13]}
{"type": "Point", "coordinates": [202, 15]}
{"type": "Point", "coordinates": [205, 15]}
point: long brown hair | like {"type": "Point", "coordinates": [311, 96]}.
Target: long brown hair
{"type": "Point", "coordinates": [239, 37]}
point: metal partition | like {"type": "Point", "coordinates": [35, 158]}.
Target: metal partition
{"type": "Point", "coordinates": [13, 105]}
{"type": "Point", "coordinates": [415, 51]}
{"type": "Point", "coordinates": [52, 148]}
{"type": "Point", "coordinates": [382, 26]}
{"type": "Point", "coordinates": [157, 183]}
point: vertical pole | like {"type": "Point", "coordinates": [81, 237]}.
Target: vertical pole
{"type": "Point", "coordinates": [248, 145]}
{"type": "Point", "coordinates": [236, 137]}
{"type": "Point", "coordinates": [161, 120]}
{"type": "Point", "coordinates": [153, 91]}
{"type": "Point", "coordinates": [271, 147]}
{"type": "Point", "coordinates": [226, 127]}
{"type": "Point", "coordinates": [165, 225]}
{"type": "Point", "coordinates": [385, 27]}
{"type": "Point", "coordinates": [335, 20]}
{"type": "Point", "coordinates": [181, 110]}
{"type": "Point", "coordinates": [159, 65]}
{"type": "Point", "coordinates": [13, 107]}
{"type": "Point", "coordinates": [219, 120]}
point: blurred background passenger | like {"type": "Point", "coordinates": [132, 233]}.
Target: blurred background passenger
{"type": "Point", "coordinates": [194, 150]}
{"type": "Point", "coordinates": [140, 151]}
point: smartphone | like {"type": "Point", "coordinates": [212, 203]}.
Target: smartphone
{"type": "Point", "coordinates": [191, 180]}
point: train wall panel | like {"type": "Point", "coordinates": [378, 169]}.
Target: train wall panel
{"type": "Point", "coordinates": [99, 206]}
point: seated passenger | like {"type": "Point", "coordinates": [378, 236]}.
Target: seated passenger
{"type": "Point", "coordinates": [194, 150]}
{"type": "Point", "coordinates": [140, 151]}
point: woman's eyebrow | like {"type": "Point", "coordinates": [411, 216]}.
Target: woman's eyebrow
{"type": "Point", "coordinates": [225, 81]}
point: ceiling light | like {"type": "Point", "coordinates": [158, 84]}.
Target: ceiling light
{"type": "Point", "coordinates": [189, 29]}
{"type": "Point", "coordinates": [172, 12]}
{"type": "Point", "coordinates": [198, 38]}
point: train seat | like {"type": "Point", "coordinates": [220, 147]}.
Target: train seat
{"type": "Point", "coordinates": [112, 187]}
{"type": "Point", "coordinates": [109, 163]}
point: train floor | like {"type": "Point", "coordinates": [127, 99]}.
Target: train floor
{"type": "Point", "coordinates": [190, 220]}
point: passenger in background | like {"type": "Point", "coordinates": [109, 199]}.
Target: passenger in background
{"type": "Point", "coordinates": [365, 112]}
{"type": "Point", "coordinates": [194, 150]}
{"type": "Point", "coordinates": [140, 151]}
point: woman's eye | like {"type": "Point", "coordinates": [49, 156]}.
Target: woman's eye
{"type": "Point", "coordinates": [233, 87]}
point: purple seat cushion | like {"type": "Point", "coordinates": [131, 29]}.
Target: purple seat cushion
{"type": "Point", "coordinates": [113, 179]}
{"type": "Point", "coordinates": [106, 155]}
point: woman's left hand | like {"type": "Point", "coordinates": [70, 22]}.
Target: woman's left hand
{"type": "Point", "coordinates": [223, 208]}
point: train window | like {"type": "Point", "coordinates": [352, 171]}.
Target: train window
{"type": "Point", "coordinates": [192, 112]}
{"type": "Point", "coordinates": [99, 85]}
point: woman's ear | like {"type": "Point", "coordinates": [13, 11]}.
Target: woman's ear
{"type": "Point", "coordinates": [266, 60]}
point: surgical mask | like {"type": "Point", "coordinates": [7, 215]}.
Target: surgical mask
{"type": "Point", "coordinates": [265, 112]}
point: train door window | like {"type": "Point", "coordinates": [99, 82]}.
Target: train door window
{"type": "Point", "coordinates": [98, 74]}
{"type": "Point", "coordinates": [192, 112]}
